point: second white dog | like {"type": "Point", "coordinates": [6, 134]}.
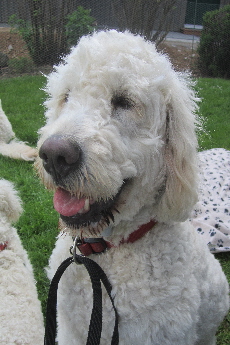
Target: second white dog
{"type": "Point", "coordinates": [21, 319]}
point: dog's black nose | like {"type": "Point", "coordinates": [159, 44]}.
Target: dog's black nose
{"type": "Point", "coordinates": [60, 156]}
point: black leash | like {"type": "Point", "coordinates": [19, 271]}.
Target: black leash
{"type": "Point", "coordinates": [97, 275]}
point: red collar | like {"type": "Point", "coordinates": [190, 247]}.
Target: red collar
{"type": "Point", "coordinates": [3, 245]}
{"type": "Point", "coordinates": [89, 246]}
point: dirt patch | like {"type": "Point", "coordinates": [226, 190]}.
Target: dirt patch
{"type": "Point", "coordinates": [12, 44]}
{"type": "Point", "coordinates": [182, 54]}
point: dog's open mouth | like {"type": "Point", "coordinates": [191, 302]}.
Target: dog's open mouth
{"type": "Point", "coordinates": [80, 212]}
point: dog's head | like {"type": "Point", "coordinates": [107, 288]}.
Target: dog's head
{"type": "Point", "coordinates": [120, 134]}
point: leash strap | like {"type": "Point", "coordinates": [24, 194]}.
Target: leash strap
{"type": "Point", "coordinates": [97, 275]}
{"type": "Point", "coordinates": [51, 309]}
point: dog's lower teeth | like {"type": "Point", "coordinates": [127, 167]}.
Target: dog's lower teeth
{"type": "Point", "coordinates": [86, 207]}
{"type": "Point", "coordinates": [81, 211]}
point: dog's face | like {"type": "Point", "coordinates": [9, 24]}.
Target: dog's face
{"type": "Point", "coordinates": [105, 146]}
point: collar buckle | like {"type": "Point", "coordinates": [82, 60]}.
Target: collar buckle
{"type": "Point", "coordinates": [88, 246]}
{"type": "Point", "coordinates": [3, 245]}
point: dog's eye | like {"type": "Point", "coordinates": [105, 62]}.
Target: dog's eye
{"type": "Point", "coordinates": [66, 97]}
{"type": "Point", "coordinates": [122, 102]}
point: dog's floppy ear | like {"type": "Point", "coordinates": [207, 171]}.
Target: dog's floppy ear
{"type": "Point", "coordinates": [181, 170]}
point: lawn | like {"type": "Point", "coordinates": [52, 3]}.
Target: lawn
{"type": "Point", "coordinates": [215, 109]}
{"type": "Point", "coordinates": [22, 99]}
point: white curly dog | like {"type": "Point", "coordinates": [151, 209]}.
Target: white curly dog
{"type": "Point", "coordinates": [10, 146]}
{"type": "Point", "coordinates": [119, 150]}
{"type": "Point", "coordinates": [21, 317]}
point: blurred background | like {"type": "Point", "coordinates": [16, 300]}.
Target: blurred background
{"type": "Point", "coordinates": [35, 34]}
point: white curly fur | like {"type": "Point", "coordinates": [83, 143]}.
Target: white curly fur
{"type": "Point", "coordinates": [21, 318]}
{"type": "Point", "coordinates": [168, 288]}
{"type": "Point", "coordinates": [9, 145]}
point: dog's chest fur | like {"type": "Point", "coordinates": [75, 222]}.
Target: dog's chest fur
{"type": "Point", "coordinates": [155, 284]}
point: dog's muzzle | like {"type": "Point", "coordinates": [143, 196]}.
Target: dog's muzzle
{"type": "Point", "coordinates": [62, 159]}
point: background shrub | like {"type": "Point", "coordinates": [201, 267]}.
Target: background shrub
{"type": "Point", "coordinates": [43, 25]}
{"type": "Point", "coordinates": [79, 23]}
{"type": "Point", "coordinates": [3, 60]}
{"type": "Point", "coordinates": [21, 65]}
{"type": "Point", "coordinates": [214, 47]}
{"type": "Point", "coordinates": [150, 18]}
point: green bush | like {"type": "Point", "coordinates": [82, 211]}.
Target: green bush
{"type": "Point", "coordinates": [79, 23]}
{"type": "Point", "coordinates": [21, 65]}
{"type": "Point", "coordinates": [46, 44]}
{"type": "Point", "coordinates": [49, 36]}
{"type": "Point", "coordinates": [26, 31]}
{"type": "Point", "coordinates": [214, 47]}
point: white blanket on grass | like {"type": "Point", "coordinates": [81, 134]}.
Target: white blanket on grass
{"type": "Point", "coordinates": [211, 215]}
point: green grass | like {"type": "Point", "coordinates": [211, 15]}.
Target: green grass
{"type": "Point", "coordinates": [215, 108]}
{"type": "Point", "coordinates": [22, 102]}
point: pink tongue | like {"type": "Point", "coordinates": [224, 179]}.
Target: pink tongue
{"type": "Point", "coordinates": [66, 204]}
